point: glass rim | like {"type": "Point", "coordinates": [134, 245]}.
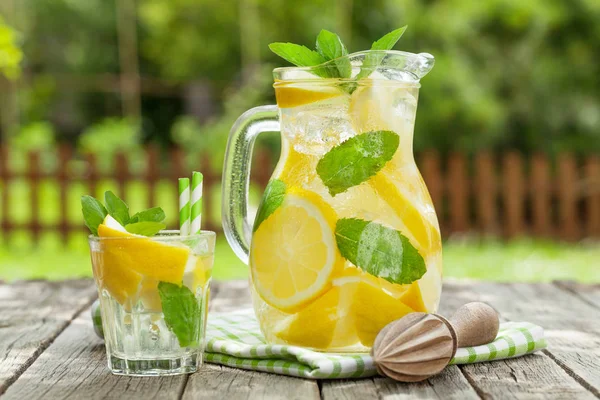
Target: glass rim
{"type": "Point", "coordinates": [167, 235]}
{"type": "Point", "coordinates": [415, 64]}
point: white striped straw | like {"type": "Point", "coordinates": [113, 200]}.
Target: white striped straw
{"type": "Point", "coordinates": [196, 212]}
{"type": "Point", "coordinates": [184, 206]}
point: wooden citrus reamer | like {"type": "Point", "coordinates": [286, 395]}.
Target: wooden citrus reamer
{"type": "Point", "coordinates": [420, 345]}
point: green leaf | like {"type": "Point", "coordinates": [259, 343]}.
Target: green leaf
{"type": "Point", "coordinates": [116, 208]}
{"type": "Point", "coordinates": [145, 228]}
{"type": "Point", "coordinates": [155, 214]}
{"type": "Point", "coordinates": [372, 60]}
{"type": "Point", "coordinates": [331, 47]}
{"type": "Point", "coordinates": [272, 199]}
{"type": "Point", "coordinates": [182, 313]}
{"type": "Point", "coordinates": [298, 55]}
{"type": "Point", "coordinates": [379, 250]}
{"type": "Point", "coordinates": [93, 213]}
{"type": "Point", "coordinates": [356, 160]}
{"type": "Point", "coordinates": [387, 42]}
{"type": "Point", "coordinates": [302, 56]}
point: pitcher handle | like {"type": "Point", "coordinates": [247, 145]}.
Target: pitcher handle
{"type": "Point", "coordinates": [236, 175]}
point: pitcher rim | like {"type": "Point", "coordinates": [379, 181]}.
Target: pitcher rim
{"type": "Point", "coordinates": [416, 65]}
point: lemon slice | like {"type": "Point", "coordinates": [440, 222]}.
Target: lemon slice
{"type": "Point", "coordinates": [425, 234]}
{"type": "Point", "coordinates": [294, 252]}
{"type": "Point", "coordinates": [290, 96]}
{"type": "Point", "coordinates": [295, 168]}
{"type": "Point", "coordinates": [373, 309]}
{"type": "Point", "coordinates": [314, 326]}
{"type": "Point", "coordinates": [158, 261]}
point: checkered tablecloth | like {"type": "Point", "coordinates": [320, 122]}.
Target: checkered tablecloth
{"type": "Point", "coordinates": [234, 339]}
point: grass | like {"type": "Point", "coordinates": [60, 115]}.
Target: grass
{"type": "Point", "coordinates": [521, 260]}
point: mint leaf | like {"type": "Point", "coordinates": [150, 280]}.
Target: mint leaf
{"type": "Point", "coordinates": [93, 213]}
{"type": "Point", "coordinates": [372, 60]}
{"type": "Point", "coordinates": [272, 199]}
{"type": "Point", "coordinates": [182, 313]}
{"type": "Point", "coordinates": [379, 250]}
{"type": "Point", "coordinates": [116, 208]}
{"type": "Point", "coordinates": [155, 214]}
{"type": "Point", "coordinates": [387, 42]}
{"type": "Point", "coordinates": [145, 228]}
{"type": "Point", "coordinates": [298, 55]}
{"type": "Point", "coordinates": [356, 160]}
{"type": "Point", "coordinates": [330, 46]}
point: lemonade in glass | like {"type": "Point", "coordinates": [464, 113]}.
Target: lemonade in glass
{"type": "Point", "coordinates": [153, 287]}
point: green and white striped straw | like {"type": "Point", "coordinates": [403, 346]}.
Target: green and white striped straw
{"type": "Point", "coordinates": [184, 206]}
{"type": "Point", "coordinates": [196, 216]}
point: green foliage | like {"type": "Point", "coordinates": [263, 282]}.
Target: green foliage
{"type": "Point", "coordinates": [211, 137]}
{"type": "Point", "coordinates": [10, 53]}
{"type": "Point", "coordinates": [509, 73]}
{"type": "Point", "coordinates": [111, 136]}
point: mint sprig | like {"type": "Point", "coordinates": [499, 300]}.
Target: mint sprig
{"type": "Point", "coordinates": [147, 223]}
{"type": "Point", "coordinates": [379, 251]}
{"type": "Point", "coordinates": [356, 160]}
{"type": "Point", "coordinates": [182, 313]}
{"type": "Point", "coordinates": [329, 46]}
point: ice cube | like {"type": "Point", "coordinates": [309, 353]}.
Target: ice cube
{"type": "Point", "coordinates": [317, 127]}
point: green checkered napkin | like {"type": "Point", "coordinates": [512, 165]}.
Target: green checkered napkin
{"type": "Point", "coordinates": [234, 339]}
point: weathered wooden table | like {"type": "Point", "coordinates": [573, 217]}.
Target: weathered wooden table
{"type": "Point", "coordinates": [48, 350]}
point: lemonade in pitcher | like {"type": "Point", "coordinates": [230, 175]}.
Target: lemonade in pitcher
{"type": "Point", "coordinates": [346, 238]}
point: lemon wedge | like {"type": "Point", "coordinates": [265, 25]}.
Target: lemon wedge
{"type": "Point", "coordinates": [290, 96]}
{"type": "Point", "coordinates": [373, 309]}
{"type": "Point", "coordinates": [294, 252]}
{"type": "Point", "coordinates": [425, 235]}
{"type": "Point", "coordinates": [127, 259]}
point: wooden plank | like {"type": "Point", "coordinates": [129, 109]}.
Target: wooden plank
{"type": "Point", "coordinates": [217, 382]}
{"type": "Point", "coordinates": [32, 314]}
{"type": "Point", "coordinates": [539, 187]}
{"type": "Point", "coordinates": [33, 176]}
{"type": "Point", "coordinates": [74, 366]}
{"type": "Point", "coordinates": [121, 174]}
{"type": "Point", "coordinates": [450, 384]}
{"type": "Point", "coordinates": [592, 195]}
{"type": "Point", "coordinates": [570, 365]}
{"type": "Point", "coordinates": [485, 199]}
{"type": "Point", "coordinates": [211, 181]}
{"type": "Point", "coordinates": [62, 176]}
{"type": "Point", "coordinates": [5, 179]}
{"type": "Point", "coordinates": [458, 193]}
{"type": "Point", "coordinates": [589, 293]}
{"type": "Point", "coordinates": [152, 173]}
{"type": "Point", "coordinates": [92, 175]}
{"type": "Point", "coordinates": [513, 191]}
{"type": "Point", "coordinates": [229, 383]}
{"type": "Point", "coordinates": [567, 197]}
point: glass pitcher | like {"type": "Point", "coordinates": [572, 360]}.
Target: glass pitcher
{"type": "Point", "coordinates": [346, 238]}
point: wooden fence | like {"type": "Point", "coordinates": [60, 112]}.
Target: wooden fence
{"type": "Point", "coordinates": [505, 195]}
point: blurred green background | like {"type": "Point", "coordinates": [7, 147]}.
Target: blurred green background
{"type": "Point", "coordinates": [116, 75]}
